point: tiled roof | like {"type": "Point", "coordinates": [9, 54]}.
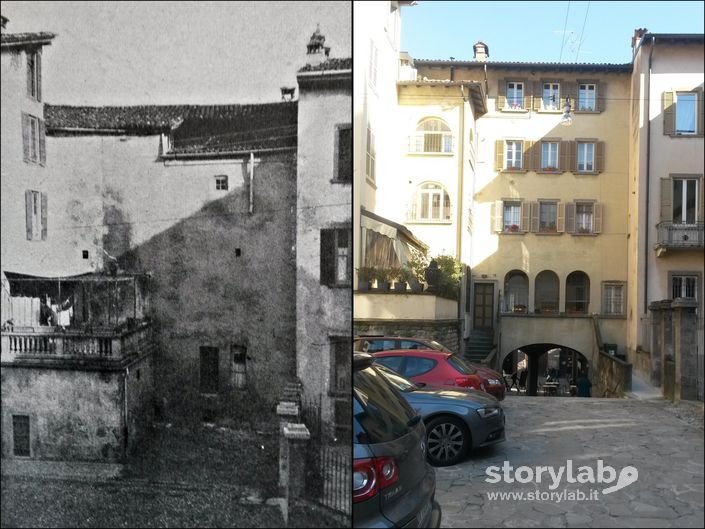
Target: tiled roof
{"type": "Point", "coordinates": [330, 64]}
{"type": "Point", "coordinates": [536, 65]}
{"type": "Point", "coordinates": [18, 39]}
{"type": "Point", "coordinates": [197, 128]}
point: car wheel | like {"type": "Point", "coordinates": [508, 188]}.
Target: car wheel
{"type": "Point", "coordinates": [447, 440]}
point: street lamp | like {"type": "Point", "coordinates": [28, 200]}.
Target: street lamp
{"type": "Point", "coordinates": [567, 118]}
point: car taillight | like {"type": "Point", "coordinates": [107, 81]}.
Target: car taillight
{"type": "Point", "coordinates": [373, 475]}
{"type": "Point", "coordinates": [469, 381]}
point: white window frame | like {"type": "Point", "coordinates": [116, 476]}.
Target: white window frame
{"type": "Point", "coordinates": [514, 151]}
{"type": "Point", "coordinates": [515, 95]}
{"type": "Point", "coordinates": [584, 222]}
{"type": "Point", "coordinates": [424, 209]}
{"type": "Point", "coordinates": [370, 155]}
{"type": "Point", "coordinates": [433, 132]}
{"type": "Point", "coordinates": [687, 284]}
{"type": "Point", "coordinates": [511, 212]}
{"type": "Point", "coordinates": [613, 298]}
{"type": "Point", "coordinates": [551, 92]}
{"type": "Point", "coordinates": [680, 113]}
{"type": "Point", "coordinates": [684, 198]}
{"type": "Point", "coordinates": [372, 76]}
{"type": "Point", "coordinates": [586, 157]}
{"type": "Point", "coordinates": [550, 150]}
{"type": "Point", "coordinates": [587, 97]}
{"type": "Point", "coordinates": [543, 208]}
{"type": "Point", "coordinates": [34, 64]}
{"type": "Point", "coordinates": [221, 182]}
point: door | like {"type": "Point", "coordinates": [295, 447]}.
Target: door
{"type": "Point", "coordinates": [483, 305]}
{"type": "Point", "coordinates": [209, 370]}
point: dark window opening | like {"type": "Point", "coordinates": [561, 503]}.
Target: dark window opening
{"type": "Point", "coordinates": [343, 157]}
{"type": "Point", "coordinates": [20, 434]}
{"type": "Point", "coordinates": [85, 254]}
{"type": "Point", "coordinates": [209, 369]}
{"type": "Point", "coordinates": [336, 257]}
{"type": "Point", "coordinates": [238, 252]}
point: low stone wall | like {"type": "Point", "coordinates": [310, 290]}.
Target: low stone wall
{"type": "Point", "coordinates": [447, 332]}
{"type": "Point", "coordinates": [642, 362]}
{"type": "Point", "coordinates": [613, 376]}
{"type": "Point", "coordinates": [669, 379]}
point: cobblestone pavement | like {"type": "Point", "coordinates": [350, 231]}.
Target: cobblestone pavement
{"type": "Point", "coordinates": [662, 441]}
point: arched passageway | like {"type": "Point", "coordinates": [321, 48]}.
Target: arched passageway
{"type": "Point", "coordinates": [548, 367]}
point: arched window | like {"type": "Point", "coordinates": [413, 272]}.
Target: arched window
{"type": "Point", "coordinates": [432, 136]}
{"type": "Point", "coordinates": [547, 291]}
{"type": "Point", "coordinates": [577, 293]}
{"type": "Point", "coordinates": [516, 292]}
{"type": "Point", "coordinates": [431, 203]}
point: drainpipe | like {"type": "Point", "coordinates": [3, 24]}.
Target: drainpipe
{"type": "Point", "coordinates": [125, 429]}
{"type": "Point", "coordinates": [252, 178]}
{"type": "Point", "coordinates": [648, 178]}
{"type": "Point", "coordinates": [461, 215]}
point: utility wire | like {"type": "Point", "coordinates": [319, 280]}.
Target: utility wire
{"type": "Point", "coordinates": [565, 25]}
{"type": "Point", "coordinates": [580, 41]}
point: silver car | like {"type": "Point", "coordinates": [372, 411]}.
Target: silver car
{"type": "Point", "coordinates": [457, 420]}
{"type": "Point", "coordinates": [393, 484]}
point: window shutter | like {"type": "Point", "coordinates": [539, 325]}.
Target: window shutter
{"type": "Point", "coordinates": [669, 113]}
{"type": "Point", "coordinates": [666, 199]}
{"type": "Point", "coordinates": [497, 221]}
{"type": "Point", "coordinates": [537, 95]}
{"type": "Point", "coordinates": [527, 94]}
{"type": "Point", "coordinates": [499, 155]}
{"type": "Point", "coordinates": [525, 212]}
{"type": "Point", "coordinates": [701, 186]}
{"type": "Point", "coordinates": [564, 156]}
{"type": "Point", "coordinates": [570, 217]}
{"type": "Point", "coordinates": [601, 96]}
{"type": "Point", "coordinates": [501, 94]}
{"type": "Point", "coordinates": [597, 224]}
{"type": "Point", "coordinates": [572, 156]}
{"type": "Point", "coordinates": [25, 137]}
{"type": "Point", "coordinates": [600, 156]}
{"type": "Point", "coordinates": [38, 59]}
{"type": "Point", "coordinates": [42, 143]}
{"type": "Point", "coordinates": [28, 213]}
{"type": "Point", "coordinates": [44, 216]}
{"type": "Point", "coordinates": [560, 220]}
{"type": "Point", "coordinates": [534, 208]}
{"type": "Point", "coordinates": [327, 256]}
{"type": "Point", "coordinates": [30, 73]}
{"type": "Point", "coordinates": [701, 113]}
{"type": "Point", "coordinates": [528, 156]}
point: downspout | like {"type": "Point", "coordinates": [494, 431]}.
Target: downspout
{"type": "Point", "coordinates": [461, 215]}
{"type": "Point", "coordinates": [648, 178]}
{"type": "Point", "coordinates": [125, 429]}
{"type": "Point", "coordinates": [252, 179]}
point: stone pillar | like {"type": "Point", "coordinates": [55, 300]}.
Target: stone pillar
{"type": "Point", "coordinates": [656, 345]}
{"type": "Point", "coordinates": [286, 411]}
{"type": "Point", "coordinates": [297, 436]}
{"type": "Point", "coordinates": [685, 330]}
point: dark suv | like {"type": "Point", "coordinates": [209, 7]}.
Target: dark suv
{"type": "Point", "coordinates": [393, 484]}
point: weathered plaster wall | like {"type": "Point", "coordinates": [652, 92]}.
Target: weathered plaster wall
{"type": "Point", "coordinates": [74, 414]}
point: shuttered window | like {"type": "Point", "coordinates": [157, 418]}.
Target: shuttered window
{"type": "Point", "coordinates": [34, 75]}
{"type": "Point", "coordinates": [336, 257]}
{"type": "Point", "coordinates": [33, 139]}
{"type": "Point", "coordinates": [343, 154]}
{"type": "Point", "coordinates": [36, 209]}
{"type": "Point", "coordinates": [683, 113]}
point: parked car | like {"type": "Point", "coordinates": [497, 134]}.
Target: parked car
{"type": "Point", "coordinates": [492, 380]}
{"type": "Point", "coordinates": [457, 421]}
{"type": "Point", "coordinates": [393, 483]}
{"type": "Point", "coordinates": [435, 368]}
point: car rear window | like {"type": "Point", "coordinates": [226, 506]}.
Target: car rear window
{"type": "Point", "coordinates": [380, 411]}
{"type": "Point", "coordinates": [380, 345]}
{"type": "Point", "coordinates": [460, 365]}
{"type": "Point", "coordinates": [392, 362]}
{"type": "Point", "coordinates": [417, 366]}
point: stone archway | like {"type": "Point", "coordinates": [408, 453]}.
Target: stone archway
{"type": "Point", "coordinates": [541, 357]}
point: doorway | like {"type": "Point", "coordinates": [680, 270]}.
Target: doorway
{"type": "Point", "coordinates": [483, 306]}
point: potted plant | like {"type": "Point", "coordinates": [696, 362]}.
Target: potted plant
{"type": "Point", "coordinates": [399, 277]}
{"type": "Point", "coordinates": [384, 278]}
{"type": "Point", "coordinates": [365, 276]}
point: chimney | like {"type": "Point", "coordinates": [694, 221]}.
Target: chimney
{"type": "Point", "coordinates": [638, 33]}
{"type": "Point", "coordinates": [316, 52]}
{"type": "Point", "coordinates": [4, 23]}
{"type": "Point", "coordinates": [288, 93]}
{"type": "Point", "coordinates": [481, 51]}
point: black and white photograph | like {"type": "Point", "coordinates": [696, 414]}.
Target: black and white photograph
{"type": "Point", "coordinates": [176, 264]}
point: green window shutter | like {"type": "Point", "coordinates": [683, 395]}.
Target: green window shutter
{"type": "Point", "coordinates": [560, 220]}
{"type": "Point", "coordinates": [534, 213]}
{"type": "Point", "coordinates": [501, 94]}
{"type": "Point", "coordinates": [598, 216]}
{"type": "Point", "coordinates": [601, 96]}
{"type": "Point", "coordinates": [25, 137]}
{"type": "Point", "coordinates": [497, 210]}
{"type": "Point", "coordinates": [28, 213]}
{"type": "Point", "coordinates": [44, 216]}
{"type": "Point", "coordinates": [327, 256]}
{"type": "Point", "coordinates": [600, 156]}
{"type": "Point", "coordinates": [572, 156]}
{"type": "Point", "coordinates": [570, 217]}
{"type": "Point", "coordinates": [39, 74]}
{"type": "Point", "coordinates": [525, 216]}
{"type": "Point", "coordinates": [499, 155]}
{"type": "Point", "coordinates": [666, 200]}
{"type": "Point", "coordinates": [42, 143]}
{"type": "Point", "coordinates": [537, 95]}
{"type": "Point", "coordinates": [669, 114]}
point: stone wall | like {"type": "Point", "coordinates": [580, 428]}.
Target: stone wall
{"type": "Point", "coordinates": [447, 332]}
{"type": "Point", "coordinates": [612, 377]}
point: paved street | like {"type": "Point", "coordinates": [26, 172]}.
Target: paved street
{"type": "Point", "coordinates": [662, 442]}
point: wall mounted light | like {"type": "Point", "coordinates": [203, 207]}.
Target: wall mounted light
{"type": "Point", "coordinates": [567, 118]}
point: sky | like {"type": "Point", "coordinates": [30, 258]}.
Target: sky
{"type": "Point", "coordinates": [132, 53]}
{"type": "Point", "coordinates": [560, 31]}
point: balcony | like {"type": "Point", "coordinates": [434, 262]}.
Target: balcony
{"type": "Point", "coordinates": [37, 343]}
{"type": "Point", "coordinates": [672, 236]}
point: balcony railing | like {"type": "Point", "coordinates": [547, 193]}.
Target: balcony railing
{"type": "Point", "coordinates": [431, 143]}
{"type": "Point", "coordinates": [680, 236]}
{"type": "Point", "coordinates": [20, 343]}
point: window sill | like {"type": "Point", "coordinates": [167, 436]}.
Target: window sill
{"type": "Point", "coordinates": [518, 232]}
{"type": "Point", "coordinates": [337, 285]}
{"type": "Point", "coordinates": [576, 234]}
{"type": "Point", "coordinates": [586, 173]}
{"type": "Point", "coordinates": [685, 135]}
{"type": "Point", "coordinates": [587, 111]}
{"type": "Point", "coordinates": [550, 111]}
{"type": "Point", "coordinates": [339, 181]}
{"type": "Point", "coordinates": [511, 170]}
{"type": "Point", "coordinates": [371, 182]}
{"type": "Point", "coordinates": [430, 153]}
{"type": "Point", "coordinates": [613, 316]}
{"type": "Point", "coordinates": [515, 110]}
{"type": "Point", "coordinates": [548, 233]}
{"type": "Point", "coordinates": [550, 171]}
